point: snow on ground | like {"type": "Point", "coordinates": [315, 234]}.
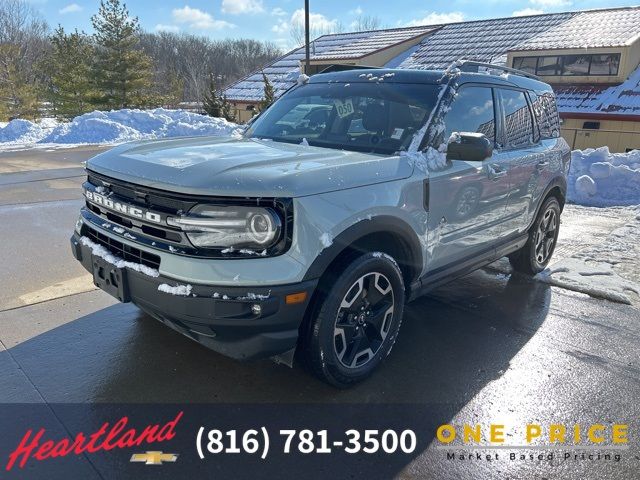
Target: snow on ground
{"type": "Point", "coordinates": [598, 254]}
{"type": "Point", "coordinates": [599, 178]}
{"type": "Point", "coordinates": [116, 126]}
{"type": "Point", "coordinates": [596, 278]}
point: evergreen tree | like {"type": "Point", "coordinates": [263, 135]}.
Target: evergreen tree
{"type": "Point", "coordinates": [269, 93]}
{"type": "Point", "coordinates": [70, 89]}
{"type": "Point", "coordinates": [227, 110]}
{"type": "Point", "coordinates": [212, 103]}
{"type": "Point", "coordinates": [215, 104]}
{"type": "Point", "coordinates": [121, 71]}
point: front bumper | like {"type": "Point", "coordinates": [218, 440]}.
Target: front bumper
{"type": "Point", "coordinates": [220, 318]}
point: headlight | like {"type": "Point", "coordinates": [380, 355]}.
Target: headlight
{"type": "Point", "coordinates": [233, 226]}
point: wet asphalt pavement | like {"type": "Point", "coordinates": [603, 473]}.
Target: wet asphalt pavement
{"type": "Point", "coordinates": [488, 348]}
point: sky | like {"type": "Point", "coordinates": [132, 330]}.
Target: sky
{"type": "Point", "coordinates": [271, 19]}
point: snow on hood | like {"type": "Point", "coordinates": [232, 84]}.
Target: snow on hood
{"type": "Point", "coordinates": [114, 127]}
{"type": "Point", "coordinates": [245, 167]}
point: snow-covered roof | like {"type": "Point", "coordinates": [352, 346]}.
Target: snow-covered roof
{"type": "Point", "coordinates": [344, 46]}
{"type": "Point", "coordinates": [623, 99]}
{"type": "Point", "coordinates": [590, 29]}
{"type": "Point", "coordinates": [483, 40]}
{"type": "Point", "coordinates": [360, 45]}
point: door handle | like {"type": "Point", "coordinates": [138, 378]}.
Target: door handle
{"type": "Point", "coordinates": [495, 172]}
{"type": "Point", "coordinates": [541, 165]}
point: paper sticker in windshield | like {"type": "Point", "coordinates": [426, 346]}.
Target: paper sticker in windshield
{"type": "Point", "coordinates": [344, 108]}
{"type": "Point", "coordinates": [397, 133]}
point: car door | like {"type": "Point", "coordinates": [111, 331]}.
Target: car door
{"type": "Point", "coordinates": [467, 199]}
{"type": "Point", "coordinates": [524, 154]}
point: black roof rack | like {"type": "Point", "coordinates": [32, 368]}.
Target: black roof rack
{"type": "Point", "coordinates": [342, 68]}
{"type": "Point", "coordinates": [473, 66]}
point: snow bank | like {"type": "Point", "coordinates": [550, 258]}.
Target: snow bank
{"type": "Point", "coordinates": [116, 126]}
{"type": "Point", "coordinates": [599, 178]}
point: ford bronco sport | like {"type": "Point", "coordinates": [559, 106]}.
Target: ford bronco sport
{"type": "Point", "coordinates": [354, 193]}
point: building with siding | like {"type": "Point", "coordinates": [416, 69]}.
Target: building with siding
{"type": "Point", "coordinates": [591, 58]}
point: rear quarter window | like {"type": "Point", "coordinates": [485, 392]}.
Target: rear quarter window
{"type": "Point", "coordinates": [546, 113]}
{"type": "Point", "coordinates": [518, 123]}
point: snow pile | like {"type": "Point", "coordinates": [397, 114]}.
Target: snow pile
{"type": "Point", "coordinates": [116, 126]}
{"type": "Point", "coordinates": [605, 269]}
{"type": "Point", "coordinates": [26, 131]}
{"type": "Point", "coordinates": [599, 178]}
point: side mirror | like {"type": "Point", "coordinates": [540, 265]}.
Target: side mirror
{"type": "Point", "coordinates": [473, 147]}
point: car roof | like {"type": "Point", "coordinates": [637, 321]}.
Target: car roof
{"type": "Point", "coordinates": [433, 77]}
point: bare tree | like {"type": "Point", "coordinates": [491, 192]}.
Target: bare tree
{"type": "Point", "coordinates": [194, 59]}
{"type": "Point", "coordinates": [296, 30]}
{"type": "Point", "coordinates": [365, 23]}
{"type": "Point", "coordinates": [23, 43]}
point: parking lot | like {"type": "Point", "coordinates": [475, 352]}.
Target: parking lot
{"type": "Point", "coordinates": [488, 348]}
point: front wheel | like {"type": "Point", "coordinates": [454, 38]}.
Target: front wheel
{"type": "Point", "coordinates": [543, 236]}
{"type": "Point", "coordinates": [355, 326]}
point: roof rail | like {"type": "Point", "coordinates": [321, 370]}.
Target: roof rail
{"type": "Point", "coordinates": [337, 67]}
{"type": "Point", "coordinates": [469, 65]}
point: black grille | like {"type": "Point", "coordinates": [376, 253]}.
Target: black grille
{"type": "Point", "coordinates": [126, 252]}
{"type": "Point", "coordinates": [174, 203]}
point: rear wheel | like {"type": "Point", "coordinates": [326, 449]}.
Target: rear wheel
{"type": "Point", "coordinates": [543, 236]}
{"type": "Point", "coordinates": [355, 326]}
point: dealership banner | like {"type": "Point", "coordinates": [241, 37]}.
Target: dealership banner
{"type": "Point", "coordinates": [314, 441]}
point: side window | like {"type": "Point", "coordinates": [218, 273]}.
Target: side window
{"type": "Point", "coordinates": [546, 112]}
{"type": "Point", "coordinates": [518, 123]}
{"type": "Point", "coordinates": [472, 111]}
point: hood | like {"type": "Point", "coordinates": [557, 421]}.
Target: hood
{"type": "Point", "coordinates": [244, 167]}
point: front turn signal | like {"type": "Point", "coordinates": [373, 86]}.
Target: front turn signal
{"type": "Point", "coordinates": [294, 298]}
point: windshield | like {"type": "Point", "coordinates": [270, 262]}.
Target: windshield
{"type": "Point", "coordinates": [374, 117]}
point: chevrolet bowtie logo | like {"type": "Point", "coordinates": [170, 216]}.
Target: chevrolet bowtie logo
{"type": "Point", "coordinates": [154, 458]}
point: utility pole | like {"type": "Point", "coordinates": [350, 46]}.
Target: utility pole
{"type": "Point", "coordinates": [307, 53]}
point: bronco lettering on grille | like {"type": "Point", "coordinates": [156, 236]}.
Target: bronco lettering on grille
{"type": "Point", "coordinates": [123, 208]}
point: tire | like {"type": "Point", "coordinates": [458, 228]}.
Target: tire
{"type": "Point", "coordinates": [543, 236]}
{"type": "Point", "coordinates": [346, 342]}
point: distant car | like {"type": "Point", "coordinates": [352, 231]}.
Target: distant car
{"type": "Point", "coordinates": [353, 194]}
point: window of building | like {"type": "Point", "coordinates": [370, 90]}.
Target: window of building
{"type": "Point", "coordinates": [472, 111]}
{"type": "Point", "coordinates": [596, 64]}
{"type": "Point", "coordinates": [526, 64]}
{"type": "Point", "coordinates": [606, 64]}
{"type": "Point", "coordinates": [518, 123]}
{"type": "Point", "coordinates": [591, 125]}
{"type": "Point", "coordinates": [576, 64]}
{"type": "Point", "coordinates": [548, 66]}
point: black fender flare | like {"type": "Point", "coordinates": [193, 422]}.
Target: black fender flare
{"type": "Point", "coordinates": [379, 224]}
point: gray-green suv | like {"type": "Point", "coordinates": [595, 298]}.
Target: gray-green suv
{"type": "Point", "coordinates": [353, 194]}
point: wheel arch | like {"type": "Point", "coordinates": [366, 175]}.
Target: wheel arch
{"type": "Point", "coordinates": [556, 188]}
{"type": "Point", "coordinates": [384, 233]}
